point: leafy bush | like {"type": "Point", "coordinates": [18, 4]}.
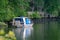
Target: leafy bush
{"type": "Point", "coordinates": [7, 36]}
{"type": "Point", "coordinates": [4, 35]}
{"type": "Point", "coordinates": [35, 15]}
{"type": "Point", "coordinates": [3, 25]}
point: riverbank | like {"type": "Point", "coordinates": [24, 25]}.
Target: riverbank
{"type": "Point", "coordinates": [45, 19]}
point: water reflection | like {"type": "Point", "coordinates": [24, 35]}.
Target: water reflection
{"type": "Point", "coordinates": [23, 33]}
{"type": "Point", "coordinates": [27, 33]}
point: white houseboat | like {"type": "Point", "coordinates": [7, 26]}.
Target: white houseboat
{"type": "Point", "coordinates": [22, 21]}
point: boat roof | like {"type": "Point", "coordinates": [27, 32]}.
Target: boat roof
{"type": "Point", "coordinates": [20, 17]}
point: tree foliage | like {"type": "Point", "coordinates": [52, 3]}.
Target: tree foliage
{"type": "Point", "coordinates": [13, 8]}
{"type": "Point", "coordinates": [50, 5]}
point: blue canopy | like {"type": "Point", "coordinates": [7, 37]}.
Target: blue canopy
{"type": "Point", "coordinates": [28, 21]}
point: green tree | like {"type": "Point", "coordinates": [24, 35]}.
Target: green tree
{"type": "Point", "coordinates": [12, 8]}
{"type": "Point", "coordinates": [3, 6]}
{"type": "Point", "coordinates": [51, 6]}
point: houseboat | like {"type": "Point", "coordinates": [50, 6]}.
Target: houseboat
{"type": "Point", "coordinates": [22, 21]}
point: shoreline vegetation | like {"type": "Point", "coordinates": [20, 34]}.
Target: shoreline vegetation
{"type": "Point", "coordinates": [5, 33]}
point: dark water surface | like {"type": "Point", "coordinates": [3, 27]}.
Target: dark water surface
{"type": "Point", "coordinates": [49, 30]}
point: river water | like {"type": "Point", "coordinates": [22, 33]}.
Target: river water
{"type": "Point", "coordinates": [49, 30]}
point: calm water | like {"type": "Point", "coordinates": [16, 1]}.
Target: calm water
{"type": "Point", "coordinates": [49, 30]}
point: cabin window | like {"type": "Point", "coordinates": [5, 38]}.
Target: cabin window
{"type": "Point", "coordinates": [28, 21]}
{"type": "Point", "coordinates": [16, 19]}
{"type": "Point", "coordinates": [21, 19]}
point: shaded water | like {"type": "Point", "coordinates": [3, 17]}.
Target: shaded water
{"type": "Point", "coordinates": [49, 30]}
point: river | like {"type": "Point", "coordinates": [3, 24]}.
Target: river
{"type": "Point", "coordinates": [49, 30]}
